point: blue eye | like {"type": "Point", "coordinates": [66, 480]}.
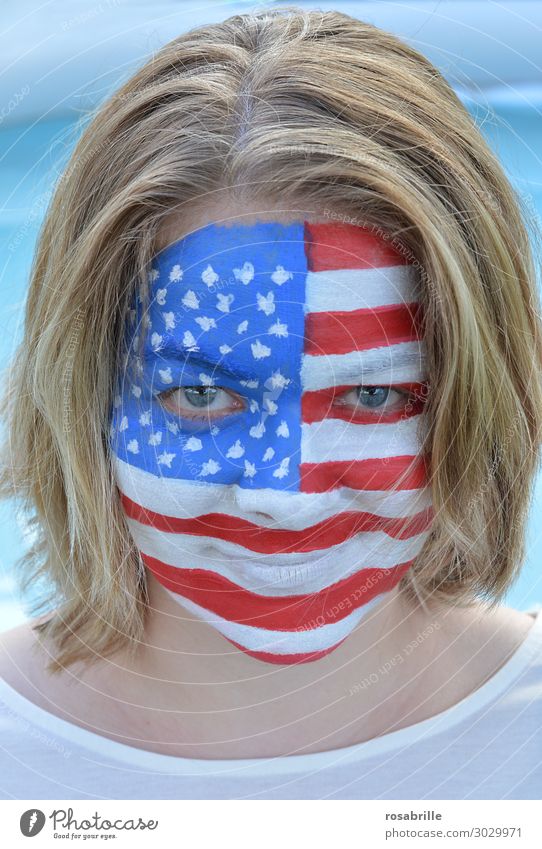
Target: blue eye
{"type": "Point", "coordinates": [200, 396]}
{"type": "Point", "coordinates": [213, 401]}
{"type": "Point", "coordinates": [373, 397]}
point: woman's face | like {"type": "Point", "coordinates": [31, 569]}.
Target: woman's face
{"type": "Point", "coordinates": [277, 403]}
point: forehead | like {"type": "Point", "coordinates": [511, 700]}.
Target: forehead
{"type": "Point", "coordinates": [254, 299]}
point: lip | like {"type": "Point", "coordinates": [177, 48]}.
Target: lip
{"type": "Point", "coordinates": [287, 580]}
{"type": "Point", "coordinates": [290, 575]}
{"type": "Point", "coordinates": [252, 570]}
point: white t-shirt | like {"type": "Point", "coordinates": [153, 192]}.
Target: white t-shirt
{"type": "Point", "coordinates": [487, 746]}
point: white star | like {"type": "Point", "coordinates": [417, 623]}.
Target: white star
{"type": "Point", "coordinates": [173, 427]}
{"type": "Point", "coordinates": [269, 454]}
{"type": "Point", "coordinates": [211, 467]}
{"type": "Point", "coordinates": [278, 381]}
{"type": "Point", "coordinates": [236, 450]}
{"type": "Point", "coordinates": [225, 349]}
{"type": "Point", "coordinates": [176, 273]}
{"type": "Point", "coordinates": [205, 322]}
{"type": "Point", "coordinates": [257, 431]}
{"type": "Point", "coordinates": [244, 274]}
{"type": "Point", "coordinates": [155, 438]}
{"type": "Point", "coordinates": [165, 375]}
{"type": "Point", "coordinates": [191, 300]}
{"type": "Point", "coordinates": [161, 296]}
{"type": "Point", "coordinates": [223, 302]}
{"type": "Point", "coordinates": [271, 406]}
{"type": "Point", "coordinates": [165, 459]}
{"type": "Point", "coordinates": [266, 303]}
{"type": "Point", "coordinates": [189, 342]}
{"type": "Point", "coordinates": [278, 329]}
{"type": "Point", "coordinates": [136, 391]}
{"type": "Point", "coordinates": [254, 406]}
{"type": "Point", "coordinates": [193, 444]}
{"type": "Point", "coordinates": [250, 384]}
{"type": "Point", "coordinates": [250, 470]}
{"type": "Point", "coordinates": [209, 276]}
{"type": "Point", "coordinates": [123, 423]}
{"type": "Point", "coordinates": [259, 351]}
{"type": "Point", "coordinates": [169, 319]}
{"type": "Point", "coordinates": [280, 276]}
{"type": "Point", "coordinates": [133, 446]}
{"type": "Point", "coordinates": [282, 429]}
{"type": "Point", "coordinates": [145, 418]}
{"type": "Point", "coordinates": [206, 379]}
{"type": "Point", "coordinates": [154, 275]}
{"type": "Point", "coordinates": [241, 328]}
{"type": "Point", "coordinates": [156, 341]}
{"type": "Point", "coordinates": [283, 469]}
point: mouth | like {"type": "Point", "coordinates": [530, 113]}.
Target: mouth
{"type": "Point", "coordinates": [278, 572]}
{"type": "Point", "coordinates": [311, 574]}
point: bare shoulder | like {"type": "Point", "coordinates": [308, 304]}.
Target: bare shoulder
{"type": "Point", "coordinates": [23, 658]}
{"type": "Point", "coordinates": [16, 643]}
{"type": "Point", "coordinates": [511, 623]}
{"type": "Point", "coordinates": [486, 636]}
{"type": "Point", "coordinates": [515, 624]}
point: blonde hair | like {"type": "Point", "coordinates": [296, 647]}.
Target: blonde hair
{"type": "Point", "coordinates": [281, 104]}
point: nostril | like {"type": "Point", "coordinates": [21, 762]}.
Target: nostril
{"type": "Point", "coordinates": [264, 517]}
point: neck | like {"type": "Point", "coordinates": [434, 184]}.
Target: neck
{"type": "Point", "coordinates": [178, 642]}
{"type": "Point", "coordinates": [214, 700]}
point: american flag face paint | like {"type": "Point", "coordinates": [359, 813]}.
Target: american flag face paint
{"type": "Point", "coordinates": [267, 442]}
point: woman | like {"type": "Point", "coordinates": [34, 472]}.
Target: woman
{"type": "Point", "coordinates": [272, 575]}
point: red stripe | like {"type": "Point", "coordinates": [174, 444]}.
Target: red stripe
{"type": "Point", "coordinates": [357, 330]}
{"type": "Point", "coordinates": [322, 404]}
{"type": "Point", "coordinates": [380, 473]}
{"type": "Point", "coordinates": [331, 531]}
{"type": "Point", "coordinates": [306, 612]}
{"type": "Point", "coordinates": [334, 245]}
{"type": "Point", "coordinates": [284, 659]}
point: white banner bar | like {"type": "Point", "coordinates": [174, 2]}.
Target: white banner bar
{"type": "Point", "coordinates": [306, 824]}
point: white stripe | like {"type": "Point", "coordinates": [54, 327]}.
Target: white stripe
{"type": "Point", "coordinates": [280, 642]}
{"type": "Point", "coordinates": [269, 508]}
{"type": "Point", "coordinates": [358, 367]}
{"type": "Point", "coordinates": [360, 288]}
{"type": "Point", "coordinates": [334, 439]}
{"type": "Point", "coordinates": [277, 574]}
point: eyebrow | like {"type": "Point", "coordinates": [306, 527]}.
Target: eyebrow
{"type": "Point", "coordinates": [319, 372]}
{"type": "Point", "coordinates": [380, 361]}
{"type": "Point", "coordinates": [197, 358]}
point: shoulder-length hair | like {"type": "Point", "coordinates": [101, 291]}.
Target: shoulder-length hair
{"type": "Point", "coordinates": [281, 105]}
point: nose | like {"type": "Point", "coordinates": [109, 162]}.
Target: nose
{"type": "Point", "coordinates": [275, 456]}
{"type": "Point", "coordinates": [266, 508]}
{"type": "Point", "coordinates": [269, 468]}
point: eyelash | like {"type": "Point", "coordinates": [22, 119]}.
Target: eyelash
{"type": "Point", "coordinates": [209, 417]}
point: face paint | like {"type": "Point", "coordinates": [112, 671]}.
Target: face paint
{"type": "Point", "coordinates": [267, 439]}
